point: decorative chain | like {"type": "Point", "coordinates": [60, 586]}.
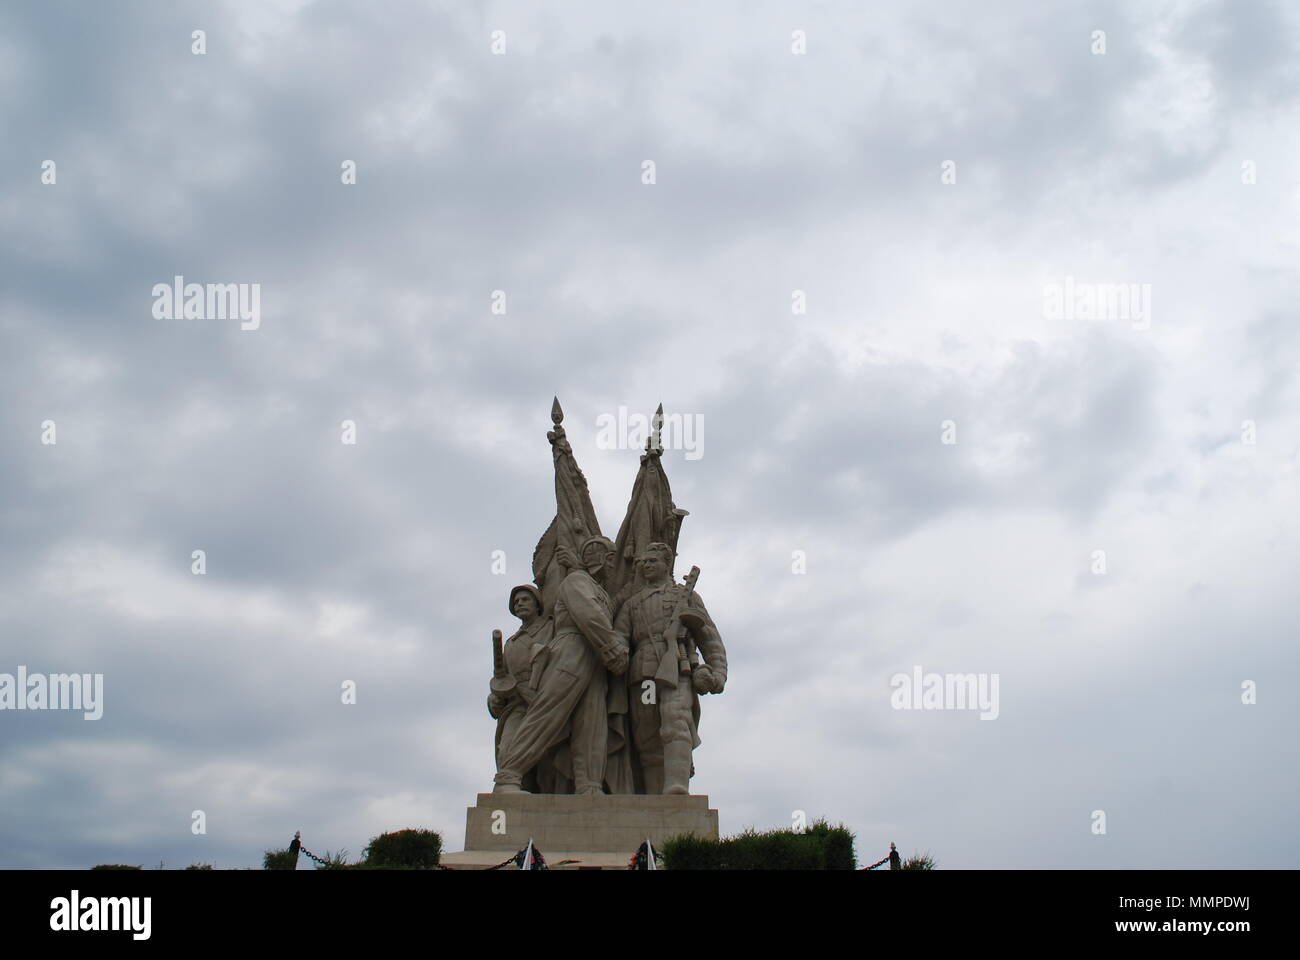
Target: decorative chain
{"type": "Point", "coordinates": [325, 863]}
{"type": "Point", "coordinates": [311, 856]}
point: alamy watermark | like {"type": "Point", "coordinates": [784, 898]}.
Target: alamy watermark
{"type": "Point", "coordinates": [55, 691]}
{"type": "Point", "coordinates": [76, 913]}
{"type": "Point", "coordinates": [1073, 300]}
{"type": "Point", "coordinates": [630, 431]}
{"type": "Point", "coordinates": [209, 301]}
{"type": "Point", "coordinates": [945, 691]}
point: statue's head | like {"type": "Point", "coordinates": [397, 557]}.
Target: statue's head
{"type": "Point", "coordinates": [597, 555]}
{"type": "Point", "coordinates": [656, 562]}
{"type": "Point", "coordinates": [526, 602]}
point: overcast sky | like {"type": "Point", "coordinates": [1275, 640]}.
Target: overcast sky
{"type": "Point", "coordinates": [823, 431]}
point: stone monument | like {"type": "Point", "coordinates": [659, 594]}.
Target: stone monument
{"type": "Point", "coordinates": [597, 694]}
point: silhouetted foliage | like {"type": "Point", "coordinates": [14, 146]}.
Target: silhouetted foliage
{"type": "Point", "coordinates": [821, 847]}
{"type": "Point", "coordinates": [919, 861]}
{"type": "Point", "coordinates": [404, 848]}
{"type": "Point", "coordinates": [335, 861]}
{"type": "Point", "coordinates": [279, 860]}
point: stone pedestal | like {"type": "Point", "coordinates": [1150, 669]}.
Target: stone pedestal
{"type": "Point", "coordinates": [600, 830]}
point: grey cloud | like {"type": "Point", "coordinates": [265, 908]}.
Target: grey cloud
{"type": "Point", "coordinates": [371, 563]}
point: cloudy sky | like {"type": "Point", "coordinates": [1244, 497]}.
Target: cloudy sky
{"type": "Point", "coordinates": [925, 173]}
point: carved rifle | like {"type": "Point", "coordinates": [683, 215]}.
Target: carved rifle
{"type": "Point", "coordinates": [676, 660]}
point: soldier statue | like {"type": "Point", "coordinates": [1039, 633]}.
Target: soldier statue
{"type": "Point", "coordinates": [667, 629]}
{"type": "Point", "coordinates": [513, 685]}
{"type": "Point", "coordinates": [599, 695]}
{"type": "Point", "coordinates": [571, 679]}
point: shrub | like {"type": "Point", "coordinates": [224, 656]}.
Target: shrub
{"type": "Point", "coordinates": [837, 842]}
{"type": "Point", "coordinates": [279, 860]}
{"type": "Point", "coordinates": [115, 866]}
{"type": "Point", "coordinates": [335, 861]}
{"type": "Point", "coordinates": [199, 866]}
{"type": "Point", "coordinates": [404, 848]}
{"type": "Point", "coordinates": [821, 847]}
{"type": "Point", "coordinates": [689, 852]}
{"type": "Point", "coordinates": [919, 861]}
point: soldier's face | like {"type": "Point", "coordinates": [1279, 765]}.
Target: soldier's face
{"type": "Point", "coordinates": [653, 567]}
{"type": "Point", "coordinates": [524, 606]}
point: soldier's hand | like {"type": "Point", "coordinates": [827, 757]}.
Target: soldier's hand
{"type": "Point", "coordinates": [702, 680]}
{"type": "Point", "coordinates": [496, 703]}
{"type": "Point", "coordinates": [705, 680]}
{"type": "Point", "coordinates": [565, 556]}
{"type": "Point", "coordinates": [615, 660]}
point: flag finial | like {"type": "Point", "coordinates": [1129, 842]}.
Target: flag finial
{"type": "Point", "coordinates": [653, 444]}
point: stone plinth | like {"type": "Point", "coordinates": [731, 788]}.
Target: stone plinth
{"type": "Point", "coordinates": [596, 824]}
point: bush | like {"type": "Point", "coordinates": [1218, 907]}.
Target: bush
{"type": "Point", "coordinates": [689, 852]}
{"type": "Point", "coordinates": [115, 866]}
{"type": "Point", "coordinates": [279, 860]}
{"type": "Point", "coordinates": [919, 861]}
{"type": "Point", "coordinates": [821, 847]}
{"type": "Point", "coordinates": [335, 861]}
{"type": "Point", "coordinates": [838, 844]}
{"type": "Point", "coordinates": [405, 848]}
{"type": "Point", "coordinates": [199, 866]}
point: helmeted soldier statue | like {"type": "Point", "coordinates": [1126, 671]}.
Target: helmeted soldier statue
{"type": "Point", "coordinates": [571, 678]}
{"type": "Point", "coordinates": [665, 676]}
{"type": "Point", "coordinates": [513, 685]}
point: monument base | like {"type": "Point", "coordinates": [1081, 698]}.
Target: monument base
{"type": "Point", "coordinates": [599, 830]}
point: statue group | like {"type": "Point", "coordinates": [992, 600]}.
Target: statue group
{"type": "Point", "coordinates": [598, 691]}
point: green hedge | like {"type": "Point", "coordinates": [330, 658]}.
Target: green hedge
{"type": "Point", "coordinates": [421, 849]}
{"type": "Point", "coordinates": [822, 847]}
{"type": "Point", "coordinates": [279, 860]}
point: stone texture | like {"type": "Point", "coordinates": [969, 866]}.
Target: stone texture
{"type": "Point", "coordinates": [595, 824]}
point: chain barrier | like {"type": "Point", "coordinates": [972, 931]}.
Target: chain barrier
{"type": "Point", "coordinates": [311, 856]}
{"type": "Point", "coordinates": [506, 862]}
{"type": "Point", "coordinates": [539, 861]}
{"type": "Point", "coordinates": [325, 863]}
{"type": "Point", "coordinates": [895, 862]}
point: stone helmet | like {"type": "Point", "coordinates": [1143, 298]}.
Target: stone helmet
{"type": "Point", "coordinates": [605, 542]}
